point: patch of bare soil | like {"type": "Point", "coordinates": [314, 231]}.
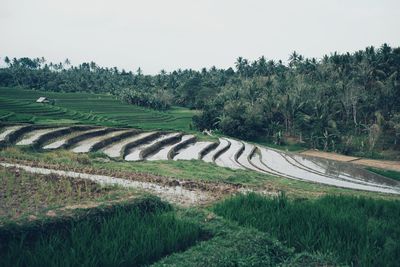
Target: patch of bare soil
{"type": "Point", "coordinates": [382, 164]}
{"type": "Point", "coordinates": [328, 155]}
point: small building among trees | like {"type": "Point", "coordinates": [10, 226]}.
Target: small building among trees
{"type": "Point", "coordinates": [42, 99]}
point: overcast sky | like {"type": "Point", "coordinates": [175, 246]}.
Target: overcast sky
{"type": "Point", "coordinates": [161, 34]}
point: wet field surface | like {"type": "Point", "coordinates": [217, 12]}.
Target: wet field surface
{"type": "Point", "coordinates": [229, 153]}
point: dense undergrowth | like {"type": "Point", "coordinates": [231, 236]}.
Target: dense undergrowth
{"type": "Point", "coordinates": [359, 231]}
{"type": "Point", "coordinates": [126, 237]}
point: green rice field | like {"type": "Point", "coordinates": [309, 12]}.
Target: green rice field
{"type": "Point", "coordinates": [357, 231]}
{"type": "Point", "coordinates": [126, 237]}
{"type": "Point", "coordinates": [18, 105]}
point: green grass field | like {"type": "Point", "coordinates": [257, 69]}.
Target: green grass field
{"type": "Point", "coordinates": [357, 231]}
{"type": "Point", "coordinates": [18, 105]}
{"type": "Point", "coordinates": [127, 237]}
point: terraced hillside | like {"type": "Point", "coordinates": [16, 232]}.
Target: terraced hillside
{"type": "Point", "coordinates": [136, 145]}
{"type": "Point", "coordinates": [28, 111]}
{"type": "Point", "coordinates": [19, 105]}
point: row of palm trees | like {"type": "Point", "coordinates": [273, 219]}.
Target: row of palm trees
{"type": "Point", "coordinates": [336, 102]}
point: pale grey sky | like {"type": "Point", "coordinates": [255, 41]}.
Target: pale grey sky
{"type": "Point", "coordinates": [161, 34]}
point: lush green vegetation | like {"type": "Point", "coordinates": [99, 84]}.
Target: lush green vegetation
{"type": "Point", "coordinates": [387, 173]}
{"type": "Point", "coordinates": [19, 105]}
{"type": "Point", "coordinates": [359, 231]}
{"type": "Point", "coordinates": [127, 237]}
{"type": "Point", "coordinates": [27, 111]}
{"type": "Point", "coordinates": [342, 102]}
{"type": "Point", "coordinates": [233, 245]}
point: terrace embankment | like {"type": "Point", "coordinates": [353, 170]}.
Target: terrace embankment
{"type": "Point", "coordinates": [182, 192]}
{"type": "Point", "coordinates": [136, 145]}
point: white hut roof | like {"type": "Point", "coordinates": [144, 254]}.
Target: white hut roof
{"type": "Point", "coordinates": [42, 99]}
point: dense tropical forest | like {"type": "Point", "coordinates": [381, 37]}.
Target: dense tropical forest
{"type": "Point", "coordinates": [347, 102]}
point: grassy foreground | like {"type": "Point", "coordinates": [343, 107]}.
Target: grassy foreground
{"type": "Point", "coordinates": [358, 231]}
{"type": "Point", "coordinates": [25, 196]}
{"type": "Point", "coordinates": [127, 237]}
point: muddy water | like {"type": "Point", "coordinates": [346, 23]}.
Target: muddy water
{"type": "Point", "coordinates": [256, 162]}
{"type": "Point", "coordinates": [134, 154]}
{"type": "Point", "coordinates": [163, 153]}
{"type": "Point", "coordinates": [244, 158]}
{"type": "Point", "coordinates": [222, 144]}
{"type": "Point", "coordinates": [227, 159]}
{"type": "Point", "coordinates": [31, 137]}
{"type": "Point", "coordinates": [192, 151]}
{"type": "Point", "coordinates": [60, 142]}
{"type": "Point", "coordinates": [307, 164]}
{"type": "Point", "coordinates": [115, 150]}
{"type": "Point", "coordinates": [342, 169]}
{"type": "Point", "coordinates": [84, 146]}
{"type": "Point", "coordinates": [8, 130]}
{"type": "Point", "coordinates": [175, 194]}
{"type": "Point", "coordinates": [277, 162]}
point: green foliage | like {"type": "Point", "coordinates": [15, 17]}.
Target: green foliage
{"type": "Point", "coordinates": [233, 245]}
{"type": "Point", "coordinates": [359, 231]}
{"type": "Point", "coordinates": [343, 102]}
{"type": "Point", "coordinates": [243, 247]}
{"type": "Point", "coordinates": [159, 99]}
{"type": "Point", "coordinates": [125, 238]}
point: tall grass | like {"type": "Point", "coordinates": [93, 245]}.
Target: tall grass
{"type": "Point", "coordinates": [359, 231]}
{"type": "Point", "coordinates": [126, 238]}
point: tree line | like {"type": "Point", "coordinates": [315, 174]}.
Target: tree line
{"type": "Point", "coordinates": [347, 102]}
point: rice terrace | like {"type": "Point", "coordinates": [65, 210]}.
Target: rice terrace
{"type": "Point", "coordinates": [287, 159]}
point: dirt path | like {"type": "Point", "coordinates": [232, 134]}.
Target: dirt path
{"type": "Point", "coordinates": [382, 164]}
{"type": "Point", "coordinates": [176, 193]}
